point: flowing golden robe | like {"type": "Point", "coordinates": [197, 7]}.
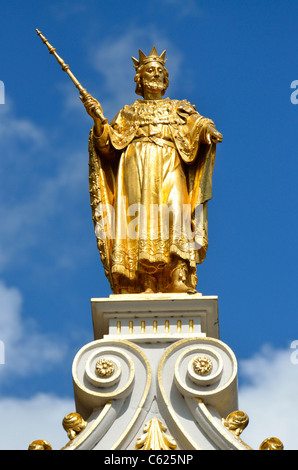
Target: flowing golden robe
{"type": "Point", "coordinates": [153, 154]}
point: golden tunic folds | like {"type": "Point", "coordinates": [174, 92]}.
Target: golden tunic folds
{"type": "Point", "coordinates": [153, 155]}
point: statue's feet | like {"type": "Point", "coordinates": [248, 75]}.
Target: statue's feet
{"type": "Point", "coordinates": [180, 279]}
{"type": "Point", "coordinates": [149, 291]}
{"type": "Point", "coordinates": [149, 284]}
{"type": "Point", "coordinates": [179, 286]}
{"type": "Point", "coordinates": [123, 290]}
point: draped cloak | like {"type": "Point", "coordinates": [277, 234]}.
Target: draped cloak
{"type": "Point", "coordinates": [152, 154]}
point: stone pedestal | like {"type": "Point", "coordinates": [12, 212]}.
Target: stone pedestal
{"type": "Point", "coordinates": [156, 376]}
{"type": "Point", "coordinates": [155, 317]}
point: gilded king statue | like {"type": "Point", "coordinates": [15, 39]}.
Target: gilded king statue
{"type": "Point", "coordinates": [150, 180]}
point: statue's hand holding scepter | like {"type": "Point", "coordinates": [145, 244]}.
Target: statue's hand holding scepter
{"type": "Point", "coordinates": [92, 106]}
{"type": "Point", "coordinates": [94, 109]}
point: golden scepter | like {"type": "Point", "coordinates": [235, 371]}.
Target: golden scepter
{"type": "Point", "coordinates": [83, 92]}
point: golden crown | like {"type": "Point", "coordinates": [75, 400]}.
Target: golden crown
{"type": "Point", "coordinates": [153, 56]}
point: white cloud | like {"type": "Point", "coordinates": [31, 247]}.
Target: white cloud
{"type": "Point", "coordinates": [65, 9]}
{"type": "Point", "coordinates": [26, 350]}
{"type": "Point", "coordinates": [14, 128]}
{"type": "Point", "coordinates": [270, 397]}
{"type": "Point", "coordinates": [31, 194]}
{"type": "Point", "coordinates": [27, 420]}
{"type": "Point", "coordinates": [186, 8]}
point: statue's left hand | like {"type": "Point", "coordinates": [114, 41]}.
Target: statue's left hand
{"type": "Point", "coordinates": [213, 135]}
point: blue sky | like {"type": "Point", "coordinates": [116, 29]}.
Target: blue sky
{"type": "Point", "coordinates": [235, 61]}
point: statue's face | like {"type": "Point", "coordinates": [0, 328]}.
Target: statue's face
{"type": "Point", "coordinates": [153, 77]}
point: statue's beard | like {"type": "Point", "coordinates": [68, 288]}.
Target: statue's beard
{"type": "Point", "coordinates": [154, 86]}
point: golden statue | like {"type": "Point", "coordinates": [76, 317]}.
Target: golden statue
{"type": "Point", "coordinates": [150, 180]}
{"type": "Point", "coordinates": [150, 168]}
